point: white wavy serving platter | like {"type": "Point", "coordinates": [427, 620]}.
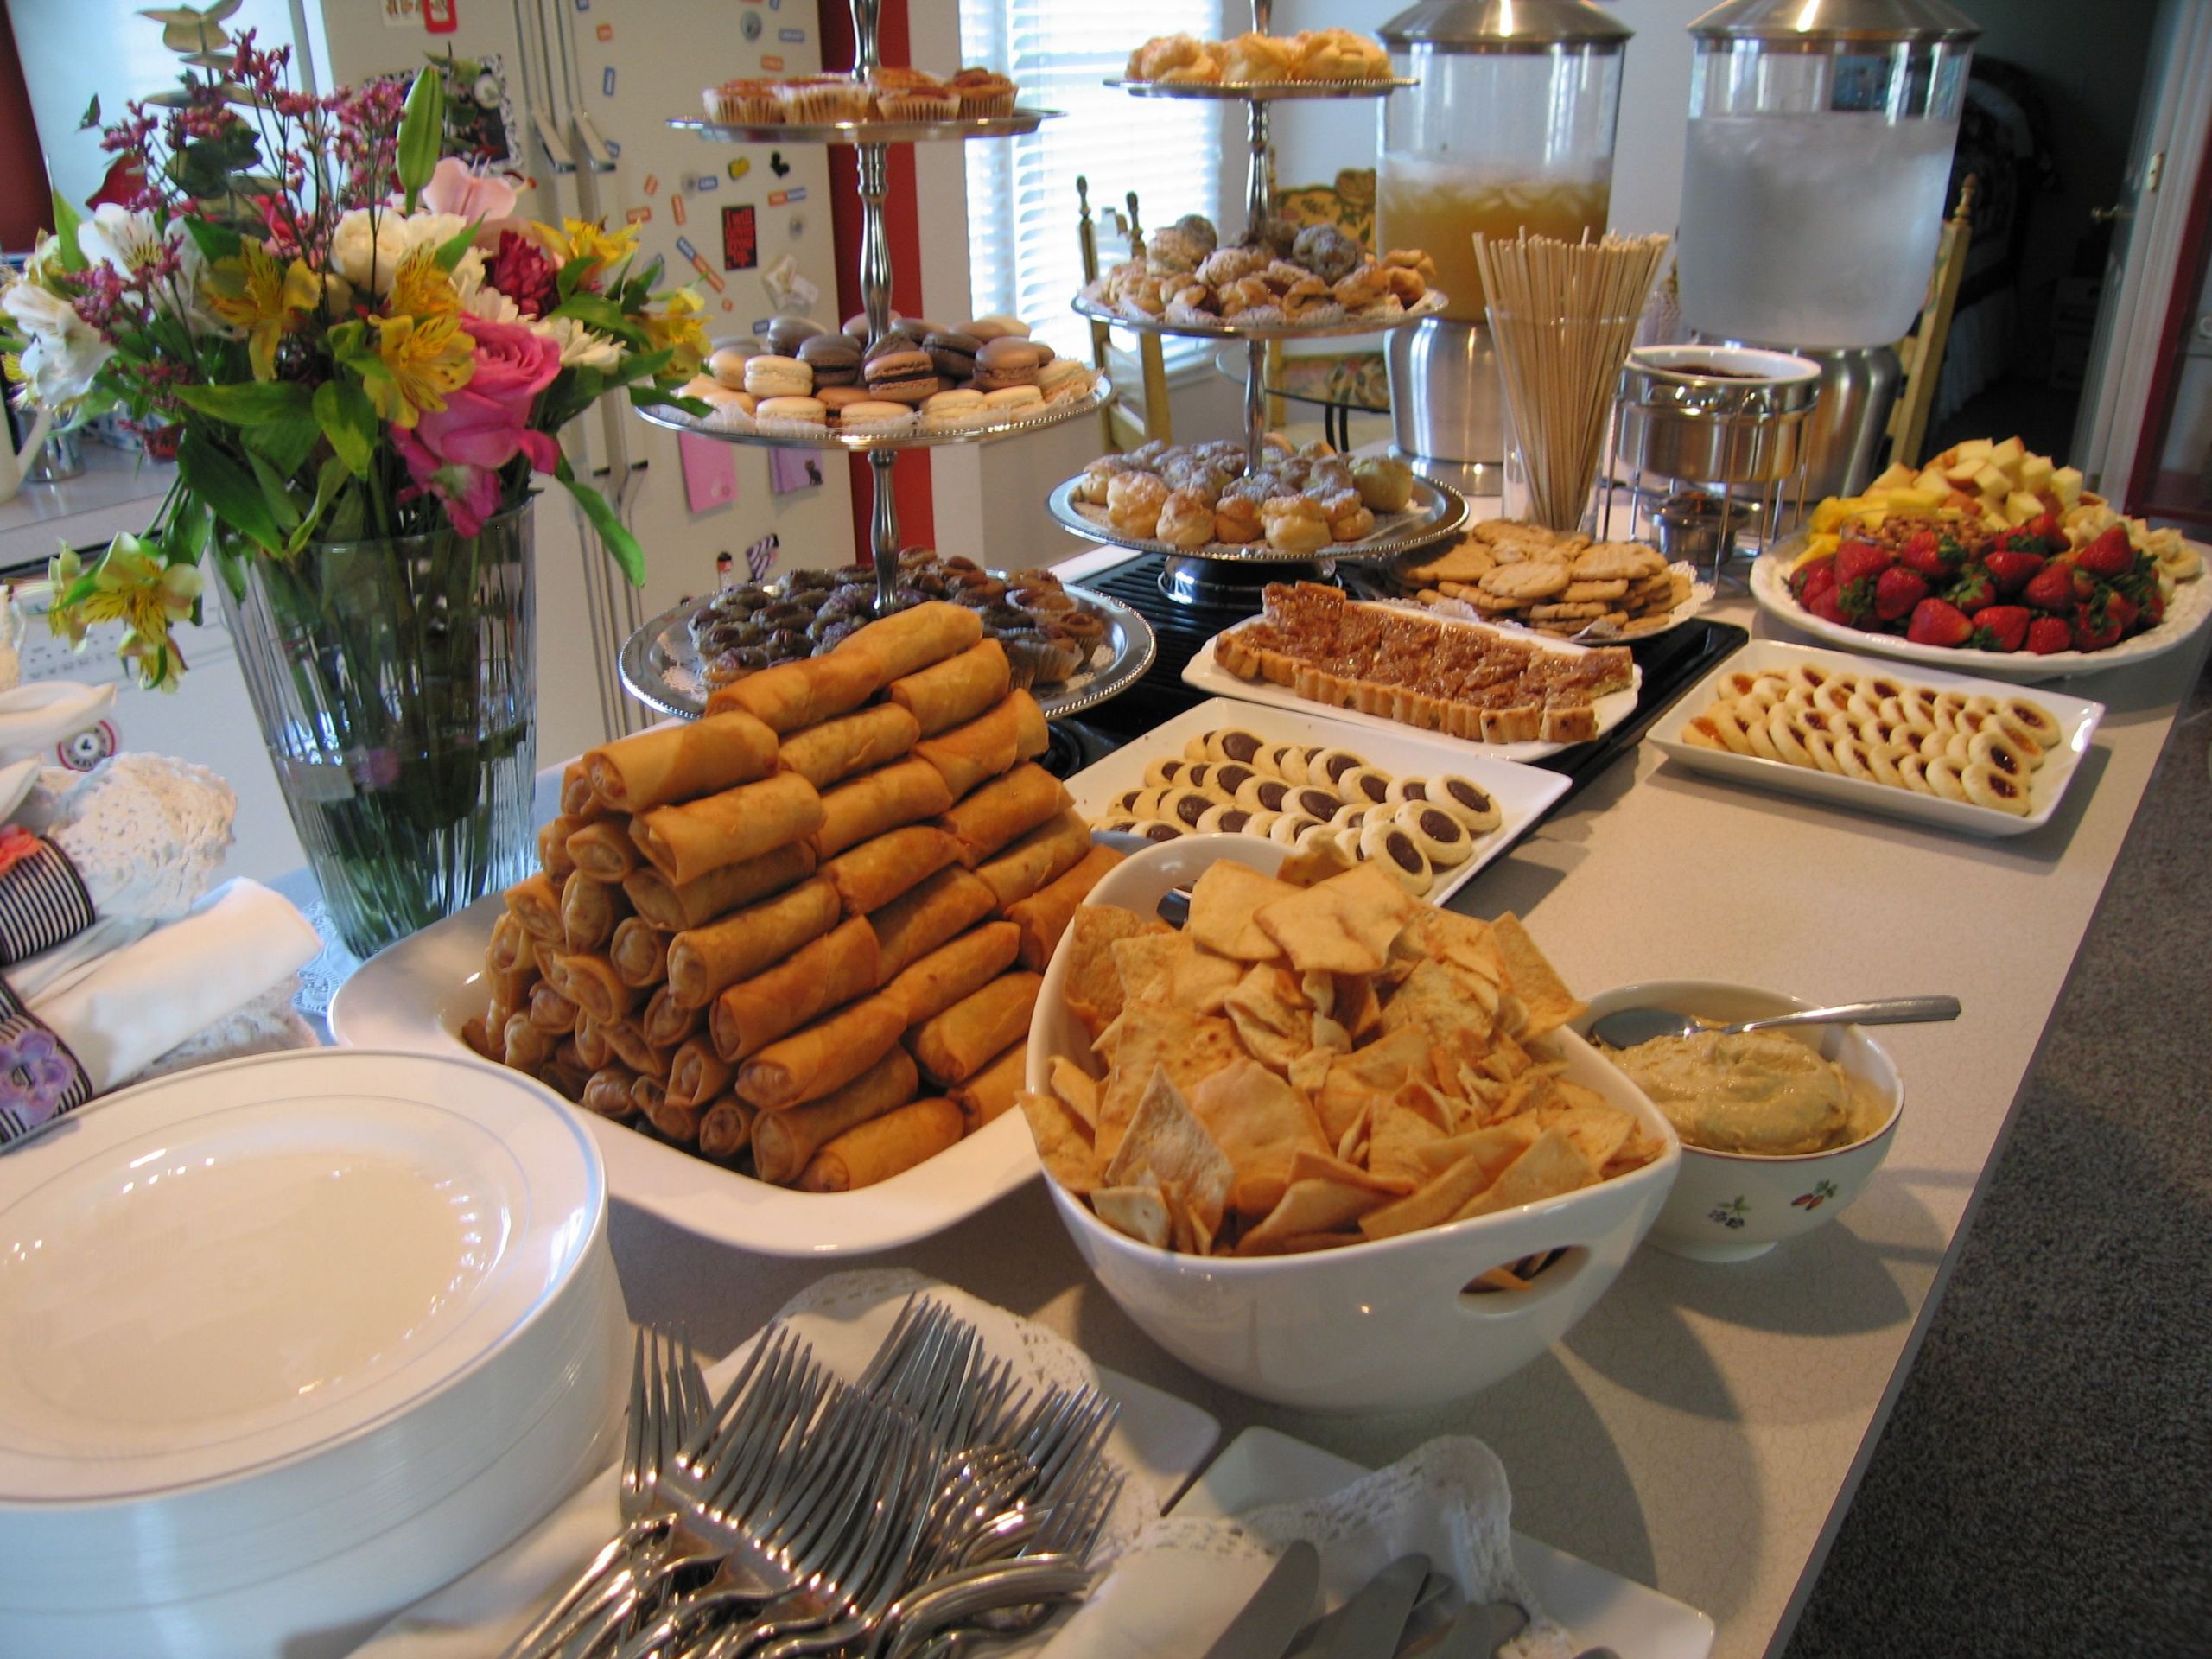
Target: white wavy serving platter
{"type": "Point", "coordinates": [1523, 794]}
{"type": "Point", "coordinates": [2186, 614]}
{"type": "Point", "coordinates": [2047, 786]}
{"type": "Point", "coordinates": [415, 996]}
{"type": "Point", "coordinates": [1204, 672]}
{"type": "Point", "coordinates": [1701, 596]}
{"type": "Point", "coordinates": [1597, 1608]}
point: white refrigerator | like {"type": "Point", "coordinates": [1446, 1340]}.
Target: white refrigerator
{"type": "Point", "coordinates": [582, 90]}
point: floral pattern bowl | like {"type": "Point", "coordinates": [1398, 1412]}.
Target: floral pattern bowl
{"type": "Point", "coordinates": [1730, 1206]}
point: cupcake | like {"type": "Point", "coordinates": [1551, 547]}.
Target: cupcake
{"type": "Point", "coordinates": [913, 95]}
{"type": "Point", "coordinates": [825, 98]}
{"type": "Point", "coordinates": [745, 103]}
{"type": "Point", "coordinates": [983, 93]}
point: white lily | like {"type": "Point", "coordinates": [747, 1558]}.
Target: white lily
{"type": "Point", "coordinates": [65, 352]}
{"type": "Point", "coordinates": [128, 242]}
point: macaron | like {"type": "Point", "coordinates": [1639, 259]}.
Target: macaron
{"type": "Point", "coordinates": [872, 410]}
{"type": "Point", "coordinates": [1009, 360]}
{"type": "Point", "coordinates": [1011, 400]}
{"type": "Point", "coordinates": [953, 352]}
{"type": "Point", "coordinates": [896, 340]}
{"type": "Point", "coordinates": [995, 325]}
{"type": "Point", "coordinates": [835, 360]}
{"type": "Point", "coordinates": [722, 397]}
{"type": "Point", "coordinates": [856, 329]}
{"type": "Point", "coordinates": [807, 409]}
{"type": "Point", "coordinates": [727, 364]}
{"type": "Point", "coordinates": [775, 375]}
{"type": "Point", "coordinates": [952, 409]}
{"type": "Point", "coordinates": [907, 377]}
{"type": "Point", "coordinates": [837, 397]}
{"type": "Point", "coordinates": [701, 386]}
{"type": "Point", "coordinates": [1063, 378]}
{"type": "Point", "coordinates": [787, 334]}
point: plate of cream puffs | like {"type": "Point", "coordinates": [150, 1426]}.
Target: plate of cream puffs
{"type": "Point", "coordinates": [1420, 807]}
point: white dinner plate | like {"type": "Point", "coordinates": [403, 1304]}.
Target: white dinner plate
{"type": "Point", "coordinates": [1523, 794]}
{"type": "Point", "coordinates": [2185, 614]}
{"type": "Point", "coordinates": [1597, 1608]}
{"type": "Point", "coordinates": [415, 996]}
{"type": "Point", "coordinates": [2047, 785]}
{"type": "Point", "coordinates": [1206, 673]}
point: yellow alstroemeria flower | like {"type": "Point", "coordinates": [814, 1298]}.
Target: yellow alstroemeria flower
{"type": "Point", "coordinates": [131, 586]}
{"type": "Point", "coordinates": [421, 289]}
{"type": "Point", "coordinates": [583, 238]}
{"type": "Point", "coordinates": [676, 325]}
{"type": "Point", "coordinates": [427, 358]}
{"type": "Point", "coordinates": [252, 291]}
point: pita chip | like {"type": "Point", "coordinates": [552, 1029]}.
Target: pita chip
{"type": "Point", "coordinates": [1166, 1137]}
{"type": "Point", "coordinates": [1093, 987]}
{"type": "Point", "coordinates": [1365, 1075]}
{"type": "Point", "coordinates": [1063, 1146]}
{"type": "Point", "coordinates": [1271, 1015]}
{"type": "Point", "coordinates": [1343, 926]}
{"type": "Point", "coordinates": [1494, 1148]}
{"type": "Point", "coordinates": [1192, 1047]}
{"type": "Point", "coordinates": [1139, 1212]}
{"type": "Point", "coordinates": [1543, 994]}
{"type": "Point", "coordinates": [1199, 979]}
{"type": "Point", "coordinates": [1141, 960]}
{"type": "Point", "coordinates": [1395, 1145]}
{"type": "Point", "coordinates": [1259, 1122]}
{"type": "Point", "coordinates": [1552, 1164]}
{"type": "Point", "coordinates": [1438, 1201]}
{"type": "Point", "coordinates": [1077, 1090]}
{"type": "Point", "coordinates": [1600, 1132]}
{"type": "Point", "coordinates": [1306, 1209]}
{"type": "Point", "coordinates": [1222, 901]}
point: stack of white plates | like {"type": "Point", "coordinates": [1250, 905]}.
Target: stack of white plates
{"type": "Point", "coordinates": [286, 1344]}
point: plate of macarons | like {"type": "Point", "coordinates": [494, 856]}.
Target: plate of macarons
{"type": "Point", "coordinates": [918, 383]}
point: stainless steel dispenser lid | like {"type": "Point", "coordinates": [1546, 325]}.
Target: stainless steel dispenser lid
{"type": "Point", "coordinates": [1506, 26]}
{"type": "Point", "coordinates": [1806, 22]}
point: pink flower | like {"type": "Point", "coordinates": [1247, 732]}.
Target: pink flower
{"type": "Point", "coordinates": [453, 189]}
{"type": "Point", "coordinates": [457, 452]}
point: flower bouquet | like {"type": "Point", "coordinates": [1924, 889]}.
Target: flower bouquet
{"type": "Point", "coordinates": [361, 356]}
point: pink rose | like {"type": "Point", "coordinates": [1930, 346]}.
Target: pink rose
{"type": "Point", "coordinates": [453, 189]}
{"type": "Point", "coordinates": [458, 452]}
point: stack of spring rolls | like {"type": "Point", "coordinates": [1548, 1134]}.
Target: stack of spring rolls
{"type": "Point", "coordinates": [802, 935]}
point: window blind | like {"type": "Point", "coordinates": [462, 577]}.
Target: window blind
{"type": "Point", "coordinates": [1023, 255]}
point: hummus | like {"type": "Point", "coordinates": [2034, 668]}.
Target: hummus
{"type": "Point", "coordinates": [1760, 1092]}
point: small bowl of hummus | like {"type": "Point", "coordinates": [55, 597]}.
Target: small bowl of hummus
{"type": "Point", "coordinates": [1780, 1130]}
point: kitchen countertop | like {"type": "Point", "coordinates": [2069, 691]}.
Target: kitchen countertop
{"type": "Point", "coordinates": [1703, 1428]}
{"type": "Point", "coordinates": [117, 490]}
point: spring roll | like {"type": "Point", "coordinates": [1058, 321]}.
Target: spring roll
{"type": "Point", "coordinates": [1045, 915]}
{"type": "Point", "coordinates": [602, 849]}
{"type": "Point", "coordinates": [876, 871]}
{"type": "Point", "coordinates": [551, 1011]}
{"type": "Point", "coordinates": [553, 844]}
{"type": "Point", "coordinates": [590, 912]}
{"type": "Point", "coordinates": [527, 1047]}
{"type": "Point", "coordinates": [954, 970]}
{"type": "Point", "coordinates": [511, 990]}
{"type": "Point", "coordinates": [810, 1063]}
{"type": "Point", "coordinates": [784, 1142]}
{"type": "Point", "coordinates": [852, 812]}
{"type": "Point", "coordinates": [704, 961]}
{"type": "Point", "coordinates": [696, 1075]}
{"type": "Point", "coordinates": [990, 1094]}
{"type": "Point", "coordinates": [639, 953]}
{"type": "Point", "coordinates": [1046, 854]}
{"type": "Point", "coordinates": [579, 800]}
{"type": "Point", "coordinates": [592, 1050]}
{"type": "Point", "coordinates": [910, 927]}
{"type": "Point", "coordinates": [686, 842]}
{"type": "Point", "coordinates": [631, 1049]}
{"type": "Point", "coordinates": [826, 974]}
{"type": "Point", "coordinates": [565, 1079]}
{"type": "Point", "coordinates": [678, 1123]}
{"type": "Point", "coordinates": [836, 749]}
{"type": "Point", "coordinates": [511, 949]}
{"type": "Point", "coordinates": [667, 1022]}
{"type": "Point", "coordinates": [791, 696]}
{"type": "Point", "coordinates": [590, 982]}
{"type": "Point", "coordinates": [958, 1043]}
{"type": "Point", "coordinates": [725, 1129]}
{"type": "Point", "coordinates": [485, 1040]}
{"type": "Point", "coordinates": [911, 641]}
{"type": "Point", "coordinates": [647, 1095]}
{"type": "Point", "coordinates": [535, 902]}
{"type": "Point", "coordinates": [681, 762]}
{"type": "Point", "coordinates": [1002, 809]}
{"type": "Point", "coordinates": [990, 744]}
{"type": "Point", "coordinates": [607, 1093]}
{"type": "Point", "coordinates": [956, 690]}
{"type": "Point", "coordinates": [664, 904]}
{"type": "Point", "coordinates": [884, 1147]}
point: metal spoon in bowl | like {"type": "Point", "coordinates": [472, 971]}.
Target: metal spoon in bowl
{"type": "Point", "coordinates": [1626, 1027]}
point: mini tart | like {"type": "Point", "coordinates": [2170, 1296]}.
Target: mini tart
{"type": "Point", "coordinates": [1223, 778]}
{"type": "Point", "coordinates": [1156, 830]}
{"type": "Point", "coordinates": [1986, 786]}
{"type": "Point", "coordinates": [1370, 785]}
{"type": "Point", "coordinates": [1316, 803]}
{"type": "Point", "coordinates": [1353, 814]}
{"type": "Point", "coordinates": [1384, 844]}
{"type": "Point", "coordinates": [1161, 773]}
{"type": "Point", "coordinates": [1324, 766]}
{"type": "Point", "coordinates": [1260, 823]}
{"type": "Point", "coordinates": [1285, 760]}
{"type": "Point", "coordinates": [1262, 794]}
{"type": "Point", "coordinates": [1184, 806]}
{"type": "Point", "coordinates": [1286, 828]}
{"type": "Point", "coordinates": [1234, 743]}
{"type": "Point", "coordinates": [1403, 790]}
{"type": "Point", "coordinates": [1467, 801]}
{"type": "Point", "coordinates": [1442, 838]}
{"type": "Point", "coordinates": [1225, 819]}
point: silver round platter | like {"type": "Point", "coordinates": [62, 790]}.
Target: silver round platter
{"type": "Point", "coordinates": [661, 668]}
{"type": "Point", "coordinates": [1434, 512]}
{"type": "Point", "coordinates": [956, 131]}
{"type": "Point", "coordinates": [790, 434]}
{"type": "Point", "coordinates": [1264, 91]}
{"type": "Point", "coordinates": [1229, 328]}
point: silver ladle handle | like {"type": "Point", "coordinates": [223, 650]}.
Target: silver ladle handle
{"type": "Point", "coordinates": [1887, 1011]}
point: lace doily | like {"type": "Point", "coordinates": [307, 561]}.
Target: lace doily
{"type": "Point", "coordinates": [148, 833]}
{"type": "Point", "coordinates": [267, 1024]}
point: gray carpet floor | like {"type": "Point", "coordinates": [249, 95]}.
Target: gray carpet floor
{"type": "Point", "coordinates": [2045, 1486]}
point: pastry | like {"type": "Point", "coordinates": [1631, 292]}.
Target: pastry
{"type": "Point", "coordinates": [1063, 378]}
{"type": "Point", "coordinates": [1133, 502]}
{"type": "Point", "coordinates": [832, 360]}
{"type": "Point", "coordinates": [1286, 828]}
{"type": "Point", "coordinates": [1227, 819]}
{"type": "Point", "coordinates": [826, 98]}
{"type": "Point", "coordinates": [953, 353]}
{"type": "Point", "coordinates": [1186, 520]}
{"type": "Point", "coordinates": [746, 102]}
{"type": "Point", "coordinates": [871, 411]}
{"type": "Point", "coordinates": [1293, 524]}
{"type": "Point", "coordinates": [981, 93]}
{"type": "Point", "coordinates": [1252, 58]}
{"type": "Point", "coordinates": [1439, 835]}
{"type": "Point", "coordinates": [1236, 520]}
{"type": "Point", "coordinates": [1385, 843]}
{"type": "Point", "coordinates": [807, 411]}
{"type": "Point", "coordinates": [1009, 360]}
{"type": "Point", "coordinates": [1011, 400]}
{"type": "Point", "coordinates": [727, 365]}
{"type": "Point", "coordinates": [996, 325]}
{"type": "Point", "coordinates": [946, 411]}
{"type": "Point", "coordinates": [902, 376]}
{"type": "Point", "coordinates": [773, 375]}
{"type": "Point", "coordinates": [785, 334]}
{"type": "Point", "coordinates": [838, 399]}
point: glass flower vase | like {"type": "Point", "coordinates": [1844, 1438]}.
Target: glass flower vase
{"type": "Point", "coordinates": [395, 685]}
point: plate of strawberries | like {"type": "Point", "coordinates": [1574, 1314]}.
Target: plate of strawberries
{"type": "Point", "coordinates": [2021, 602]}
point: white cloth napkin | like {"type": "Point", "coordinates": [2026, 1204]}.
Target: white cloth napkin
{"type": "Point", "coordinates": [122, 1011]}
{"type": "Point", "coordinates": [34, 718]}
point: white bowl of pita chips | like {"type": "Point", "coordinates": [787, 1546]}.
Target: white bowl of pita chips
{"type": "Point", "coordinates": [1331, 1146]}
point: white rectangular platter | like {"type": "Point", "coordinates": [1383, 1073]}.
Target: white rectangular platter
{"type": "Point", "coordinates": [1204, 672]}
{"type": "Point", "coordinates": [2047, 785]}
{"type": "Point", "coordinates": [1523, 793]}
{"type": "Point", "coordinates": [1597, 1608]}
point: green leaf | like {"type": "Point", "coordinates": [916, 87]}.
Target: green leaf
{"type": "Point", "coordinates": [619, 542]}
{"type": "Point", "coordinates": [214, 240]}
{"type": "Point", "coordinates": [330, 478]}
{"type": "Point", "coordinates": [597, 311]}
{"type": "Point", "coordinates": [641, 366]}
{"type": "Point", "coordinates": [450, 251]}
{"type": "Point", "coordinates": [422, 133]}
{"type": "Point", "coordinates": [67, 218]}
{"type": "Point", "coordinates": [282, 507]}
{"type": "Point", "coordinates": [91, 115]}
{"type": "Point", "coordinates": [654, 398]}
{"type": "Point", "coordinates": [250, 403]}
{"type": "Point", "coordinates": [349, 421]}
{"type": "Point", "coordinates": [285, 445]}
{"type": "Point", "coordinates": [228, 489]}
{"type": "Point", "coordinates": [565, 279]}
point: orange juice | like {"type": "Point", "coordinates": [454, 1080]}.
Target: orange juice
{"type": "Point", "coordinates": [1438, 207]}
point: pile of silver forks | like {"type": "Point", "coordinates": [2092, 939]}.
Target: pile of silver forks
{"type": "Point", "coordinates": [931, 1507]}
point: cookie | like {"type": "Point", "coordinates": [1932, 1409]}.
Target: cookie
{"type": "Point", "coordinates": [1560, 611]}
{"type": "Point", "coordinates": [1578, 591]}
{"type": "Point", "coordinates": [1616, 562]}
{"type": "Point", "coordinates": [1527, 581]}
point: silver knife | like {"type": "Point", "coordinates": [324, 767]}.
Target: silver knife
{"type": "Point", "coordinates": [1369, 1625]}
{"type": "Point", "coordinates": [1277, 1611]}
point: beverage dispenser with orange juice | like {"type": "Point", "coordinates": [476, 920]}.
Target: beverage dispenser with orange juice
{"type": "Point", "coordinates": [1511, 127]}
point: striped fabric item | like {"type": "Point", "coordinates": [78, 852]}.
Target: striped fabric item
{"type": "Point", "coordinates": [42, 899]}
{"type": "Point", "coordinates": [40, 1079]}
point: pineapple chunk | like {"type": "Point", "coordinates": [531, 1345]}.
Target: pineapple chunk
{"type": "Point", "coordinates": [1833, 511]}
{"type": "Point", "coordinates": [2009, 454]}
{"type": "Point", "coordinates": [1933, 480]}
{"type": "Point", "coordinates": [1962, 473]}
{"type": "Point", "coordinates": [1816, 547]}
{"type": "Point", "coordinates": [1894, 477]}
{"type": "Point", "coordinates": [1973, 449]}
{"type": "Point", "coordinates": [1992, 480]}
{"type": "Point", "coordinates": [2066, 480]}
{"type": "Point", "coordinates": [1993, 505]}
{"type": "Point", "coordinates": [2035, 472]}
{"type": "Point", "coordinates": [2020, 506]}
{"type": "Point", "coordinates": [1912, 500]}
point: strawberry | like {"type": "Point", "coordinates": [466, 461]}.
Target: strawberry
{"type": "Point", "coordinates": [2092, 632]}
{"type": "Point", "coordinates": [1935, 623]}
{"type": "Point", "coordinates": [2043, 528]}
{"type": "Point", "coordinates": [1803, 576]}
{"type": "Point", "coordinates": [2010, 568]}
{"type": "Point", "coordinates": [1934, 556]}
{"type": "Point", "coordinates": [2154, 606]}
{"type": "Point", "coordinates": [2050, 589]}
{"type": "Point", "coordinates": [1897, 590]}
{"type": "Point", "coordinates": [1821, 579]}
{"type": "Point", "coordinates": [1973, 591]}
{"type": "Point", "coordinates": [1856, 559]}
{"type": "Point", "coordinates": [1823, 605]}
{"type": "Point", "coordinates": [2108, 554]}
{"type": "Point", "coordinates": [2000, 627]}
{"type": "Point", "coordinates": [2049, 633]}
{"type": "Point", "coordinates": [2120, 608]}
{"type": "Point", "coordinates": [1856, 601]}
